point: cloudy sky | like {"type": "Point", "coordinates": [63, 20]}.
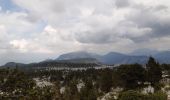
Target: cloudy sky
{"type": "Point", "coordinates": [34, 30]}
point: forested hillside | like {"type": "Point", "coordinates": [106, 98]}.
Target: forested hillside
{"type": "Point", "coordinates": [124, 82]}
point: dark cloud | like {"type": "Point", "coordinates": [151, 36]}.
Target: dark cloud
{"type": "Point", "coordinates": [33, 18]}
{"type": "Point", "coordinates": [147, 17]}
{"type": "Point", "coordinates": [100, 37]}
{"type": "Point", "coordinates": [161, 29]}
{"type": "Point", "coordinates": [122, 3]}
{"type": "Point", "coordinates": [161, 7]}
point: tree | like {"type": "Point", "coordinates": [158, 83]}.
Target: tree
{"type": "Point", "coordinates": [88, 92]}
{"type": "Point", "coordinates": [17, 80]}
{"type": "Point", "coordinates": [106, 81]}
{"type": "Point", "coordinates": [132, 76]}
{"type": "Point", "coordinates": [71, 92]}
{"type": "Point", "coordinates": [154, 73]}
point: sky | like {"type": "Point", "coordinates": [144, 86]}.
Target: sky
{"type": "Point", "coordinates": [34, 30]}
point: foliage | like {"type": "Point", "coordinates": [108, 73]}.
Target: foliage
{"type": "Point", "coordinates": [16, 84]}
{"type": "Point", "coordinates": [132, 76]}
{"type": "Point", "coordinates": [133, 95]}
{"type": "Point", "coordinates": [130, 95]}
{"type": "Point", "coordinates": [156, 96]}
{"type": "Point", "coordinates": [154, 72]}
{"type": "Point", "coordinates": [105, 80]}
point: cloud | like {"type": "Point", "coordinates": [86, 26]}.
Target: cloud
{"type": "Point", "coordinates": [15, 23]}
{"type": "Point", "coordinates": [156, 18]}
{"type": "Point", "coordinates": [22, 45]}
{"type": "Point", "coordinates": [98, 37]}
{"type": "Point", "coordinates": [59, 26]}
{"type": "Point", "coordinates": [4, 38]}
{"type": "Point", "coordinates": [83, 20]}
{"type": "Point", "coordinates": [2, 32]}
{"type": "Point", "coordinates": [50, 40]}
{"type": "Point", "coordinates": [122, 3]}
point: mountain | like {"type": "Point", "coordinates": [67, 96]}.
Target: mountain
{"type": "Point", "coordinates": [81, 60]}
{"type": "Point", "coordinates": [118, 58]}
{"type": "Point", "coordinates": [110, 58]}
{"type": "Point", "coordinates": [163, 57]}
{"type": "Point", "coordinates": [13, 64]}
{"type": "Point", "coordinates": [82, 57]}
{"type": "Point", "coordinates": [146, 52]}
{"type": "Point", "coordinates": [77, 55]}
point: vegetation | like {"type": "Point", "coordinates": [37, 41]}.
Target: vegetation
{"type": "Point", "coordinates": [132, 76]}
{"type": "Point", "coordinates": [154, 72]}
{"type": "Point", "coordinates": [125, 81]}
{"type": "Point", "coordinates": [133, 95]}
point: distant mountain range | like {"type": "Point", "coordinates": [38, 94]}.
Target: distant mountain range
{"type": "Point", "coordinates": [111, 58]}
{"type": "Point", "coordinates": [119, 58]}
{"type": "Point", "coordinates": [163, 57]}
{"type": "Point", "coordinates": [77, 55]}
{"type": "Point", "coordinates": [13, 64]}
{"type": "Point", "coordinates": [144, 52]}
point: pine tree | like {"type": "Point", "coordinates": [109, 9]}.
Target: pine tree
{"type": "Point", "coordinates": [154, 73]}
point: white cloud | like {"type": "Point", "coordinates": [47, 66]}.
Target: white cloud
{"type": "Point", "coordinates": [49, 41]}
{"type": "Point", "coordinates": [4, 38]}
{"type": "Point", "coordinates": [2, 32]}
{"type": "Point", "coordinates": [16, 24]}
{"type": "Point", "coordinates": [20, 44]}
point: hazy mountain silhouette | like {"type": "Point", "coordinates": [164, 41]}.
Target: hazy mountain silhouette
{"type": "Point", "coordinates": [109, 58]}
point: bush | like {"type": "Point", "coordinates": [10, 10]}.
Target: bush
{"type": "Point", "coordinates": [157, 96]}
{"type": "Point", "coordinates": [130, 95]}
{"type": "Point", "coordinates": [133, 95]}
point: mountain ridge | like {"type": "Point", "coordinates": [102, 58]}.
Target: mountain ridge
{"type": "Point", "coordinates": [110, 58]}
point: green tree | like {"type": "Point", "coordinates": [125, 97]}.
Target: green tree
{"type": "Point", "coordinates": [132, 76]}
{"type": "Point", "coordinates": [106, 81]}
{"type": "Point", "coordinates": [88, 92]}
{"type": "Point", "coordinates": [154, 73]}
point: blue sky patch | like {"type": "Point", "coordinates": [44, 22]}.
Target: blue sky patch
{"type": "Point", "coordinates": [8, 5]}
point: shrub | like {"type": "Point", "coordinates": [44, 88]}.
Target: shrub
{"type": "Point", "coordinates": [130, 95]}
{"type": "Point", "coordinates": [133, 95]}
{"type": "Point", "coordinates": [157, 96]}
